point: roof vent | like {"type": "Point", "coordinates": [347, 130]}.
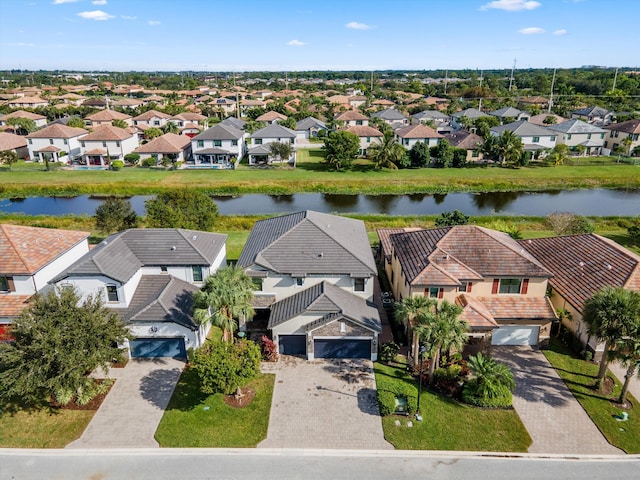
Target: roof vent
{"type": "Point", "coordinates": [194, 237]}
{"type": "Point", "coordinates": [173, 248]}
{"type": "Point", "coordinates": [609, 266]}
{"type": "Point", "coordinates": [103, 242]}
{"type": "Point", "coordinates": [581, 264]}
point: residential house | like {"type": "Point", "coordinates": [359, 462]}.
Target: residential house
{"type": "Point", "coordinates": [582, 265]}
{"type": "Point", "coordinates": [15, 143]}
{"type": "Point", "coordinates": [352, 118]}
{"type": "Point", "coordinates": [314, 277]}
{"type": "Point", "coordinates": [28, 102]}
{"type": "Point", "coordinates": [412, 134]}
{"type": "Point", "coordinates": [105, 117]}
{"type": "Point", "coordinates": [182, 119]}
{"type": "Point", "coordinates": [148, 277]}
{"type": "Point", "coordinates": [309, 128]}
{"type": "Point", "coordinates": [471, 114]}
{"type": "Point", "coordinates": [441, 120]}
{"type": "Point", "coordinates": [39, 120]}
{"type": "Point", "coordinates": [439, 103]}
{"type": "Point", "coordinates": [534, 137]}
{"type": "Point", "coordinates": [575, 132]}
{"type": "Point", "coordinates": [618, 132]}
{"type": "Point", "coordinates": [271, 117]}
{"type": "Point", "coordinates": [226, 105]}
{"type": "Point", "coordinates": [541, 118]}
{"type": "Point", "coordinates": [175, 147]}
{"type": "Point", "coordinates": [234, 122]}
{"type": "Point", "coordinates": [392, 117]}
{"type": "Point", "coordinates": [107, 143]}
{"type": "Point", "coordinates": [500, 286]}
{"type": "Point", "coordinates": [58, 143]}
{"type": "Point", "coordinates": [356, 101]}
{"type": "Point", "coordinates": [367, 135]}
{"type": "Point", "coordinates": [220, 147]}
{"type": "Point", "coordinates": [127, 103]}
{"type": "Point", "coordinates": [95, 102]}
{"type": "Point", "coordinates": [152, 118]}
{"type": "Point", "coordinates": [595, 115]}
{"type": "Point", "coordinates": [535, 101]}
{"type": "Point", "coordinates": [510, 114]}
{"type": "Point", "coordinates": [260, 151]}
{"type": "Point", "coordinates": [383, 103]}
{"type": "Point", "coordinates": [31, 257]}
{"type": "Point", "coordinates": [468, 141]}
{"type": "Point", "coordinates": [246, 105]}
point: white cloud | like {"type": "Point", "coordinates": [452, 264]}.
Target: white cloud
{"type": "Point", "coordinates": [296, 43]}
{"type": "Point", "coordinates": [560, 32]}
{"type": "Point", "coordinates": [99, 2]}
{"type": "Point", "coordinates": [60, 2]}
{"type": "Point", "coordinates": [154, 23]}
{"type": "Point", "coordinates": [511, 5]}
{"type": "Point", "coordinates": [96, 15]}
{"type": "Point", "coordinates": [127, 17]}
{"type": "Point", "coordinates": [531, 31]}
{"type": "Point", "coordinates": [358, 26]}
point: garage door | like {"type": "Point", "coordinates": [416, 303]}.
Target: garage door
{"type": "Point", "coordinates": [292, 344]}
{"type": "Point", "coordinates": [515, 335]}
{"type": "Point", "coordinates": [342, 349]}
{"type": "Point", "coordinates": [157, 347]}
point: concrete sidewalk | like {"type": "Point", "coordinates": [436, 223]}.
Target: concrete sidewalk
{"type": "Point", "coordinates": [131, 412]}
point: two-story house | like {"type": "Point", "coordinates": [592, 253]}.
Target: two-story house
{"type": "Point", "coordinates": [220, 146]}
{"type": "Point", "coordinates": [148, 276]}
{"type": "Point", "coordinates": [310, 127]}
{"type": "Point", "coordinates": [367, 136]}
{"type": "Point", "coordinates": [351, 118]}
{"type": "Point", "coordinates": [314, 276]}
{"type": "Point", "coordinates": [412, 134]}
{"type": "Point", "coordinates": [500, 286]}
{"type": "Point", "coordinates": [152, 118]}
{"type": "Point", "coordinates": [30, 258]}
{"type": "Point", "coordinates": [534, 137]}
{"type": "Point", "coordinates": [56, 143]}
{"type": "Point", "coordinates": [260, 151]}
{"type": "Point", "coordinates": [619, 132]}
{"type": "Point", "coordinates": [442, 121]}
{"type": "Point", "coordinates": [459, 119]}
{"type": "Point", "coordinates": [595, 115]}
{"type": "Point", "coordinates": [575, 132]}
{"type": "Point", "coordinates": [107, 143]}
{"type": "Point", "coordinates": [39, 120]}
{"type": "Point", "coordinates": [105, 117]}
{"type": "Point", "coordinates": [271, 117]}
{"type": "Point", "coordinates": [510, 114]}
{"type": "Point", "coordinates": [391, 117]}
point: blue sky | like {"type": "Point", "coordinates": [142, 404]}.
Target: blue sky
{"type": "Point", "coordinates": [276, 35]}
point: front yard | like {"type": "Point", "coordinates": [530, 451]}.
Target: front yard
{"type": "Point", "coordinates": [53, 428]}
{"type": "Point", "coordinates": [450, 425]}
{"type": "Point", "coordinates": [579, 375]}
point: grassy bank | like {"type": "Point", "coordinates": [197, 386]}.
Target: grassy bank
{"type": "Point", "coordinates": [312, 176]}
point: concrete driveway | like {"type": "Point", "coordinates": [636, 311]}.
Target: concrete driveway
{"type": "Point", "coordinates": [324, 404]}
{"type": "Point", "coordinates": [620, 371]}
{"type": "Point", "coordinates": [131, 412]}
{"type": "Point", "coordinates": [554, 418]}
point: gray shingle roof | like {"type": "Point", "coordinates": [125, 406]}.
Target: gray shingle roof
{"type": "Point", "coordinates": [220, 132]}
{"type": "Point", "coordinates": [333, 302]}
{"type": "Point", "coordinates": [522, 128]}
{"type": "Point", "coordinates": [310, 242]}
{"type": "Point", "coordinates": [274, 131]}
{"type": "Point", "coordinates": [575, 125]}
{"type": "Point", "coordinates": [162, 298]}
{"type": "Point", "coordinates": [593, 110]}
{"type": "Point", "coordinates": [310, 122]}
{"type": "Point", "coordinates": [431, 114]}
{"type": "Point", "coordinates": [470, 113]}
{"type": "Point", "coordinates": [234, 122]}
{"type": "Point", "coordinates": [507, 112]}
{"type": "Point", "coordinates": [264, 149]}
{"type": "Point", "coordinates": [121, 255]}
{"type": "Point", "coordinates": [390, 114]}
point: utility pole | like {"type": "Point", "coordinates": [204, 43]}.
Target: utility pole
{"type": "Point", "coordinates": [553, 81]}
{"type": "Point", "coordinates": [446, 76]}
{"type": "Point", "coordinates": [615, 79]}
{"type": "Point", "coordinates": [480, 85]}
{"type": "Point", "coordinates": [511, 78]}
{"type": "Point", "coordinates": [371, 90]}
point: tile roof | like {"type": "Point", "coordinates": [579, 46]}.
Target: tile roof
{"type": "Point", "coordinates": [539, 119]}
{"type": "Point", "coordinates": [389, 114]}
{"type": "Point", "coordinates": [583, 264]}
{"type": "Point", "coordinates": [150, 114]}
{"type": "Point", "coordinates": [25, 250]}
{"type": "Point", "coordinates": [470, 113]}
{"type": "Point", "coordinates": [464, 139]}
{"type": "Point", "coordinates": [234, 122]}
{"type": "Point", "coordinates": [576, 126]}
{"type": "Point", "coordinates": [593, 110]}
{"type": "Point", "coordinates": [270, 116]}
{"type": "Point", "coordinates": [475, 313]}
{"type": "Point", "coordinates": [630, 126]}
{"type": "Point", "coordinates": [107, 132]}
{"type": "Point", "coordinates": [519, 307]}
{"type": "Point", "coordinates": [58, 131]}
{"type": "Point", "coordinates": [325, 298]}
{"type": "Point", "coordinates": [167, 143]}
{"type": "Point", "coordinates": [9, 141]}
{"type": "Point", "coordinates": [364, 131]}
{"type": "Point", "coordinates": [49, 148]}
{"type": "Point", "coordinates": [24, 114]}
{"type": "Point", "coordinates": [220, 131]}
{"type": "Point", "coordinates": [507, 112]}
{"type": "Point", "coordinates": [523, 128]}
{"type": "Point", "coordinates": [417, 131]}
{"type": "Point", "coordinates": [310, 122]}
{"type": "Point", "coordinates": [189, 116]}
{"type": "Point", "coordinates": [431, 114]}
{"type": "Point", "coordinates": [384, 234]}
{"type": "Point", "coordinates": [11, 305]}
{"type": "Point", "coordinates": [311, 243]}
{"type": "Point", "coordinates": [107, 116]}
{"type": "Point", "coordinates": [274, 130]}
{"type": "Point", "coordinates": [350, 115]}
{"type": "Point", "coordinates": [96, 151]}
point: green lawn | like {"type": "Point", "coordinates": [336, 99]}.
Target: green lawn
{"type": "Point", "coordinates": [313, 176]}
{"type": "Point", "coordinates": [450, 425]}
{"type": "Point", "coordinates": [43, 428]}
{"type": "Point", "coordinates": [186, 423]}
{"type": "Point", "coordinates": [580, 375]}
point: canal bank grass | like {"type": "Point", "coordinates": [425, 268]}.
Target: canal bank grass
{"type": "Point", "coordinates": [47, 428]}
{"type": "Point", "coordinates": [450, 425]}
{"type": "Point", "coordinates": [311, 176]}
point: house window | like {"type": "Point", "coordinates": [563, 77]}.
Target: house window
{"type": "Point", "coordinates": [553, 139]}
{"type": "Point", "coordinates": [343, 327]}
{"type": "Point", "coordinates": [536, 139]}
{"type": "Point", "coordinates": [588, 136]}
{"type": "Point", "coordinates": [64, 140]}
{"type": "Point", "coordinates": [358, 122]}
{"type": "Point", "coordinates": [117, 144]}
{"type": "Point", "coordinates": [602, 136]}
{"type": "Point", "coordinates": [257, 284]}
{"type": "Point", "coordinates": [82, 144]}
{"type": "Point", "coordinates": [30, 142]}
{"type": "Point", "coordinates": [568, 136]}
{"type": "Point", "coordinates": [197, 273]}
{"type": "Point", "coordinates": [258, 141]}
{"type": "Point", "coordinates": [200, 143]}
{"type": "Point", "coordinates": [358, 284]}
{"type": "Point", "coordinates": [217, 143]}
{"type": "Point", "coordinates": [112, 293]}
{"type": "Point", "coordinates": [431, 292]}
{"type": "Point", "coordinates": [510, 285]}
{"type": "Point", "coordinates": [6, 284]}
{"type": "Point", "coordinates": [405, 141]}
{"type": "Point", "coordinates": [635, 137]}
{"type": "Point", "coordinates": [156, 122]}
{"type": "Point", "coordinates": [464, 286]}
{"type": "Point", "coordinates": [51, 141]}
{"type": "Point", "coordinates": [368, 139]}
{"type": "Point", "coordinates": [104, 144]}
{"type": "Point", "coordinates": [234, 143]}
{"type": "Point", "coordinates": [475, 153]}
{"type": "Point", "coordinates": [299, 281]}
{"type": "Point", "coordinates": [163, 270]}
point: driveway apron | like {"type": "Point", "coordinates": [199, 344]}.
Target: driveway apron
{"type": "Point", "coordinates": [131, 412]}
{"type": "Point", "coordinates": [324, 404]}
{"type": "Point", "coordinates": [634, 384]}
{"type": "Point", "coordinates": [554, 418]}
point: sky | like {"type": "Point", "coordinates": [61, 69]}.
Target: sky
{"type": "Point", "coordinates": [284, 35]}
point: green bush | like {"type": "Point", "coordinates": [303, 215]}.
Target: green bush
{"type": "Point", "coordinates": [501, 399]}
{"type": "Point", "coordinates": [388, 352]}
{"type": "Point", "coordinates": [117, 165]}
{"type": "Point", "coordinates": [132, 158]}
{"type": "Point", "coordinates": [386, 402]}
{"type": "Point", "coordinates": [387, 391]}
{"type": "Point", "coordinates": [149, 162]}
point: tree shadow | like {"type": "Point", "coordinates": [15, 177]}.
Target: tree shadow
{"type": "Point", "coordinates": [157, 386]}
{"type": "Point", "coordinates": [368, 401]}
{"type": "Point", "coordinates": [187, 394]}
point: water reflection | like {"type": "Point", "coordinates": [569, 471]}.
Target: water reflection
{"type": "Point", "coordinates": [495, 201]}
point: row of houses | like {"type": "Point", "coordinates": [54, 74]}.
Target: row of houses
{"type": "Point", "coordinates": [314, 276]}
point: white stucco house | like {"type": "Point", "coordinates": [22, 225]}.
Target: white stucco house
{"type": "Point", "coordinates": [220, 146]}
{"type": "Point", "coordinates": [58, 143]}
{"type": "Point", "coordinates": [412, 134]}
{"type": "Point", "coordinates": [534, 137]}
{"type": "Point", "coordinates": [107, 143]}
{"type": "Point", "coordinates": [148, 276]}
{"type": "Point", "coordinates": [260, 150]}
{"type": "Point", "coordinates": [575, 132]}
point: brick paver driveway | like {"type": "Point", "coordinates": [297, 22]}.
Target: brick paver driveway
{"type": "Point", "coordinates": [324, 404]}
{"type": "Point", "coordinates": [554, 418]}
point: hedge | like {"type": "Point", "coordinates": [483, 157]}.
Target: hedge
{"type": "Point", "coordinates": [389, 389]}
{"type": "Point", "coordinates": [502, 399]}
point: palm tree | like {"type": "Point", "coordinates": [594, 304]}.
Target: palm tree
{"type": "Point", "coordinates": [409, 310]}
{"type": "Point", "coordinates": [628, 353]}
{"type": "Point", "coordinates": [611, 314]}
{"type": "Point", "coordinates": [225, 297]}
{"type": "Point", "coordinates": [626, 144]}
{"type": "Point", "coordinates": [491, 377]}
{"type": "Point", "coordinates": [509, 147]}
{"type": "Point", "coordinates": [386, 154]}
{"type": "Point", "coordinates": [171, 127]}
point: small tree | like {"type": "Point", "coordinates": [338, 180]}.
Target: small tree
{"type": "Point", "coordinates": [386, 154]}
{"type": "Point", "coordinates": [281, 150]}
{"type": "Point", "coordinates": [22, 126]}
{"type": "Point", "coordinates": [492, 383]}
{"type": "Point", "coordinates": [567, 223]}
{"type": "Point", "coordinates": [8, 157]}
{"type": "Point", "coordinates": [420, 155]}
{"type": "Point", "coordinates": [560, 154]}
{"type": "Point", "coordinates": [449, 219]}
{"type": "Point", "coordinates": [627, 351]}
{"type": "Point", "coordinates": [443, 154]}
{"type": "Point", "coordinates": [341, 147]}
{"type": "Point", "coordinates": [59, 340]}
{"type": "Point", "coordinates": [550, 120]}
{"type": "Point", "coordinates": [118, 122]}
{"type": "Point", "coordinates": [114, 215]}
{"type": "Point", "coordinates": [182, 209]}
{"type": "Point", "coordinates": [151, 133]}
{"type": "Point", "coordinates": [170, 127]}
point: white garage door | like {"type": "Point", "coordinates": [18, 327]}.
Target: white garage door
{"type": "Point", "coordinates": [515, 335]}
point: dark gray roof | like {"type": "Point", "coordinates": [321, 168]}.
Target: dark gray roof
{"type": "Point", "coordinates": [121, 255]}
{"type": "Point", "coordinates": [507, 112]}
{"type": "Point", "coordinates": [310, 122]}
{"type": "Point", "coordinates": [593, 110]}
{"type": "Point", "coordinates": [162, 298]}
{"type": "Point", "coordinates": [522, 128]}
{"type": "Point", "coordinates": [575, 125]}
{"type": "Point", "coordinates": [310, 242]}
{"type": "Point", "coordinates": [333, 302]}
{"type": "Point", "coordinates": [264, 149]}
{"type": "Point", "coordinates": [220, 132]}
{"type": "Point", "coordinates": [431, 114]}
{"type": "Point", "coordinates": [234, 122]}
{"type": "Point", "coordinates": [274, 130]}
{"type": "Point", "coordinates": [389, 114]}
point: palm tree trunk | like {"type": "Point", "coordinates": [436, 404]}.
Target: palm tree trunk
{"type": "Point", "coordinates": [434, 360]}
{"type": "Point", "coordinates": [625, 387]}
{"type": "Point", "coordinates": [604, 362]}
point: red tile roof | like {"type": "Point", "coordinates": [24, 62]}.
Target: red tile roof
{"type": "Point", "coordinates": [475, 313]}
{"type": "Point", "coordinates": [107, 116]}
{"type": "Point", "coordinates": [11, 305]}
{"type": "Point", "coordinates": [270, 116]}
{"type": "Point", "coordinates": [350, 115]}
{"type": "Point", "coordinates": [9, 141]}
{"type": "Point", "coordinates": [107, 132]}
{"type": "Point", "coordinates": [518, 307]}
{"type": "Point", "coordinates": [417, 131]}
{"type": "Point", "coordinates": [167, 143]}
{"type": "Point", "coordinates": [364, 131]}
{"type": "Point", "coordinates": [58, 131]}
{"type": "Point", "coordinates": [630, 126]}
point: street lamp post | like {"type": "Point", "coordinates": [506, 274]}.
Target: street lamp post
{"type": "Point", "coordinates": [420, 353]}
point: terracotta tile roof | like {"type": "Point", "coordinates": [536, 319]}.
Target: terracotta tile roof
{"type": "Point", "coordinates": [191, 126]}
{"type": "Point", "coordinates": [107, 132]}
{"type": "Point", "coordinates": [365, 131]}
{"type": "Point", "coordinates": [24, 114]}
{"type": "Point", "coordinates": [148, 115]}
{"type": "Point", "coordinates": [350, 115]}
{"type": "Point", "coordinates": [9, 141]}
{"type": "Point", "coordinates": [583, 264]}
{"type": "Point", "coordinates": [30, 100]}
{"type": "Point", "coordinates": [503, 307]}
{"type": "Point", "coordinates": [630, 126]}
{"type": "Point", "coordinates": [464, 139]}
{"type": "Point", "coordinates": [25, 250]}
{"type": "Point", "coordinates": [96, 151]}
{"type": "Point", "coordinates": [49, 148]}
{"type": "Point", "coordinates": [127, 102]}
{"type": "Point", "coordinates": [107, 116]}
{"type": "Point", "coordinates": [270, 116]}
{"type": "Point", "coordinates": [475, 313]}
{"type": "Point", "coordinates": [417, 131]}
{"type": "Point", "coordinates": [539, 119]}
{"type": "Point", "coordinates": [58, 131]}
{"type": "Point", "coordinates": [383, 102]}
{"type": "Point", "coordinates": [189, 116]}
{"type": "Point", "coordinates": [12, 305]}
{"type": "Point", "coordinates": [167, 143]}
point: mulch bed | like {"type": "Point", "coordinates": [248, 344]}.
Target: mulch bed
{"type": "Point", "coordinates": [243, 401]}
{"type": "Point", "coordinates": [94, 404]}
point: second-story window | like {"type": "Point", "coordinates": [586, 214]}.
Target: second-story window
{"type": "Point", "coordinates": [358, 284]}
{"type": "Point", "coordinates": [197, 273]}
{"type": "Point", "coordinates": [112, 293]}
{"type": "Point", "coordinates": [510, 285]}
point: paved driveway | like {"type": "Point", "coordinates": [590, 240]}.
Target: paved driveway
{"type": "Point", "coordinates": [324, 404]}
{"type": "Point", "coordinates": [131, 412]}
{"type": "Point", "coordinates": [634, 384]}
{"type": "Point", "coordinates": [554, 418]}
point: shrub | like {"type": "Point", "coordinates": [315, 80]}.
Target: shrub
{"type": "Point", "coordinates": [269, 349]}
{"type": "Point", "coordinates": [387, 391]}
{"type": "Point", "coordinates": [149, 162]}
{"type": "Point", "coordinates": [448, 219]}
{"type": "Point", "coordinates": [388, 352]}
{"type": "Point", "coordinates": [634, 232]}
{"type": "Point", "coordinates": [132, 158]}
{"type": "Point", "coordinates": [566, 223]}
{"type": "Point", "coordinates": [448, 380]}
{"type": "Point", "coordinates": [117, 165]}
{"type": "Point", "coordinates": [501, 399]}
{"type": "Point", "coordinates": [190, 209]}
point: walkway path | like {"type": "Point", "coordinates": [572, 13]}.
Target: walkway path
{"type": "Point", "coordinates": [634, 385]}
